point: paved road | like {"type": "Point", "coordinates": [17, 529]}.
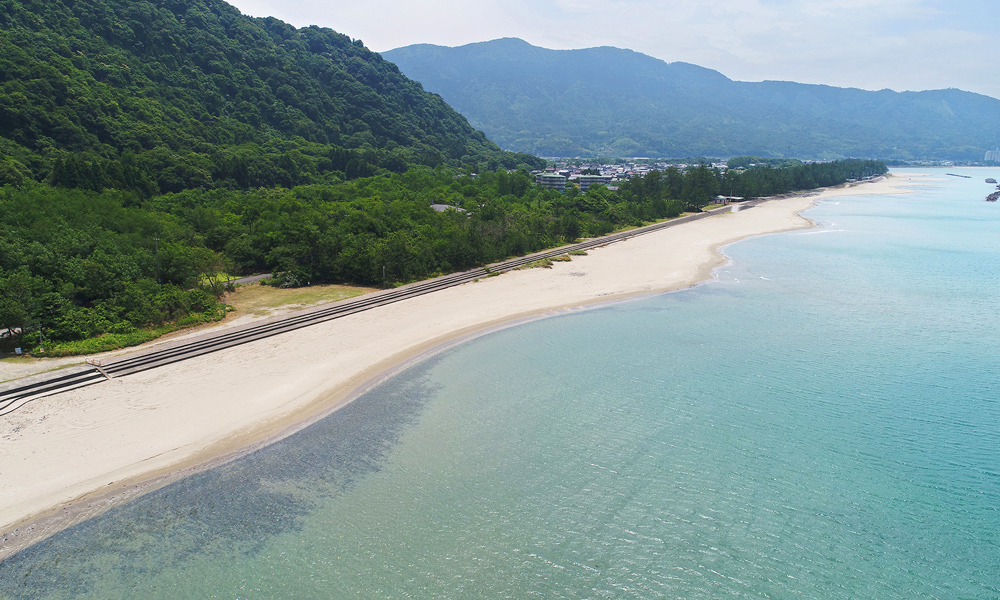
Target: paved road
{"type": "Point", "coordinates": [251, 279]}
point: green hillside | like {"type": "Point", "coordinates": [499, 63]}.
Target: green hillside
{"type": "Point", "coordinates": [147, 147]}
{"type": "Point", "coordinates": [610, 101]}
{"type": "Point", "coordinates": [165, 96]}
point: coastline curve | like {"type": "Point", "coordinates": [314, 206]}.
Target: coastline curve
{"type": "Point", "coordinates": [331, 365]}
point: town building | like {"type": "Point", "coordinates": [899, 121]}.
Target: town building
{"type": "Point", "coordinates": [586, 181]}
{"type": "Point", "coordinates": [552, 181]}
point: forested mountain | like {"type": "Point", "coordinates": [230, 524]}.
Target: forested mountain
{"type": "Point", "coordinates": [147, 146]}
{"type": "Point", "coordinates": [602, 101]}
{"type": "Point", "coordinates": [161, 96]}
{"type": "Point", "coordinates": [111, 110]}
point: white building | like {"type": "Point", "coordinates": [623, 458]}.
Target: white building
{"type": "Point", "coordinates": [588, 180]}
{"type": "Point", "coordinates": [551, 181]}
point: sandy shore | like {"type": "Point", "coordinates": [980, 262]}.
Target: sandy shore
{"type": "Point", "coordinates": [67, 457]}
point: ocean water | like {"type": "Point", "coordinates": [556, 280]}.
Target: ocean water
{"type": "Point", "coordinates": [821, 422]}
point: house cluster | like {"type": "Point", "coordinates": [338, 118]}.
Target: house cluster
{"type": "Point", "coordinates": [583, 175]}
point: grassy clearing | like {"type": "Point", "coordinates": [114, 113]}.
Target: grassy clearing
{"type": "Point", "coordinates": [578, 253]}
{"type": "Point", "coordinates": [264, 300]}
{"type": "Point", "coordinates": [562, 258]}
{"type": "Point", "coordinates": [220, 277]}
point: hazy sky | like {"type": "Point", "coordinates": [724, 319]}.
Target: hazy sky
{"type": "Point", "coordinates": [871, 44]}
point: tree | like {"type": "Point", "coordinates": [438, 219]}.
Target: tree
{"type": "Point", "coordinates": [18, 300]}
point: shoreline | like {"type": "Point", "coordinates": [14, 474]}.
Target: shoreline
{"type": "Point", "coordinates": [245, 400]}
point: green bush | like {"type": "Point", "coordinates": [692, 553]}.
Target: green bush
{"type": "Point", "coordinates": [103, 343]}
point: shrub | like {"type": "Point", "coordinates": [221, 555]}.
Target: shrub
{"type": "Point", "coordinates": [544, 263]}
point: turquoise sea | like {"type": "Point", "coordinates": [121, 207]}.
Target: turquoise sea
{"type": "Point", "coordinates": [821, 422]}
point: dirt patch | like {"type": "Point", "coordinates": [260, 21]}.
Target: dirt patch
{"type": "Point", "coordinates": [266, 301]}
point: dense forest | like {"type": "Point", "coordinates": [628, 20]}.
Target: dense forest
{"type": "Point", "coordinates": [97, 270]}
{"type": "Point", "coordinates": [111, 108]}
{"type": "Point", "coordinates": [148, 146]}
{"type": "Point", "coordinates": [160, 97]}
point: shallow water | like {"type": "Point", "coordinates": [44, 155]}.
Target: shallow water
{"type": "Point", "coordinates": [822, 422]}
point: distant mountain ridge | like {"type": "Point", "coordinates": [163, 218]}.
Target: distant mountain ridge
{"type": "Point", "coordinates": [606, 100]}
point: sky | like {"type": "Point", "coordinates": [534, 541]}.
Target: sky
{"type": "Point", "coordinates": [869, 44]}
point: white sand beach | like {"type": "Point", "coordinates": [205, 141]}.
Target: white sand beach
{"type": "Point", "coordinates": [69, 456]}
